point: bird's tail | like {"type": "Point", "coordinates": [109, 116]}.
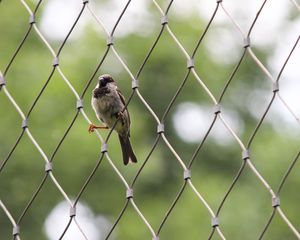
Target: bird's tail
{"type": "Point", "coordinates": [128, 154]}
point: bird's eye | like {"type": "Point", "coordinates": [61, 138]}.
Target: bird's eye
{"type": "Point", "coordinates": [108, 79]}
{"type": "Point", "coordinates": [103, 80]}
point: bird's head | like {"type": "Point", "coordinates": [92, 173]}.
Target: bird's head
{"type": "Point", "coordinates": [104, 80]}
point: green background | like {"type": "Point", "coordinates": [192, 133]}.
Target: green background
{"type": "Point", "coordinates": [248, 206]}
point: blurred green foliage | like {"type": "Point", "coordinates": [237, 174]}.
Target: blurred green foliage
{"type": "Point", "coordinates": [248, 206]}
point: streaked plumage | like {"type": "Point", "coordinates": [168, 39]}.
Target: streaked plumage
{"type": "Point", "coordinates": [108, 104]}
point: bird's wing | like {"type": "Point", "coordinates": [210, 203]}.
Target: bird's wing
{"type": "Point", "coordinates": [121, 96]}
{"type": "Point", "coordinates": [123, 101]}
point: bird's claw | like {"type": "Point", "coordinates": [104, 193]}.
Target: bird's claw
{"type": "Point", "coordinates": [91, 128]}
{"type": "Point", "coordinates": [120, 114]}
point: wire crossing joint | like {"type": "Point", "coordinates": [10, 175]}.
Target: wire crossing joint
{"type": "Point", "coordinates": [245, 154]}
{"type": "Point", "coordinates": [110, 41]}
{"type": "Point", "coordinates": [16, 230]}
{"type": "Point", "coordinates": [79, 104]}
{"type": "Point", "coordinates": [73, 211]}
{"type": "Point", "coordinates": [187, 174]}
{"type": "Point", "coordinates": [190, 63]}
{"type": "Point", "coordinates": [2, 80]}
{"type": "Point", "coordinates": [129, 193]}
{"type": "Point", "coordinates": [160, 128]}
{"type": "Point", "coordinates": [275, 87]}
{"type": "Point", "coordinates": [214, 222]}
{"type": "Point", "coordinates": [217, 108]}
{"type": "Point", "coordinates": [275, 202]}
{"type": "Point", "coordinates": [104, 147]}
{"type": "Point", "coordinates": [247, 42]}
{"type": "Point", "coordinates": [55, 62]}
{"type": "Point", "coordinates": [25, 123]}
{"type": "Point", "coordinates": [164, 20]}
{"type": "Point", "coordinates": [48, 167]}
{"type": "Point", "coordinates": [134, 83]}
{"type": "Point", "coordinates": [32, 19]}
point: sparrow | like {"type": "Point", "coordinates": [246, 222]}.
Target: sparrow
{"type": "Point", "coordinates": [109, 106]}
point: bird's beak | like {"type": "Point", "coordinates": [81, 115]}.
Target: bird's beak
{"type": "Point", "coordinates": [101, 82]}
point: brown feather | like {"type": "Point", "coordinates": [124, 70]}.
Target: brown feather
{"type": "Point", "coordinates": [128, 154]}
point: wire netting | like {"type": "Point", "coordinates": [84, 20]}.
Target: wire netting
{"type": "Point", "coordinates": [50, 178]}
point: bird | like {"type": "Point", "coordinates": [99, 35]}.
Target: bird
{"type": "Point", "coordinates": [109, 105]}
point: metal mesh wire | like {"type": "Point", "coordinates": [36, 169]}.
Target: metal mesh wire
{"type": "Point", "coordinates": [245, 147]}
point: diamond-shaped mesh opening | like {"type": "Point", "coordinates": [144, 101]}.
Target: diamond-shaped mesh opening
{"type": "Point", "coordinates": [215, 137]}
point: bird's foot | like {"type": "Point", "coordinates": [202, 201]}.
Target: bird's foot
{"type": "Point", "coordinates": [120, 114]}
{"type": "Point", "coordinates": [92, 127]}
